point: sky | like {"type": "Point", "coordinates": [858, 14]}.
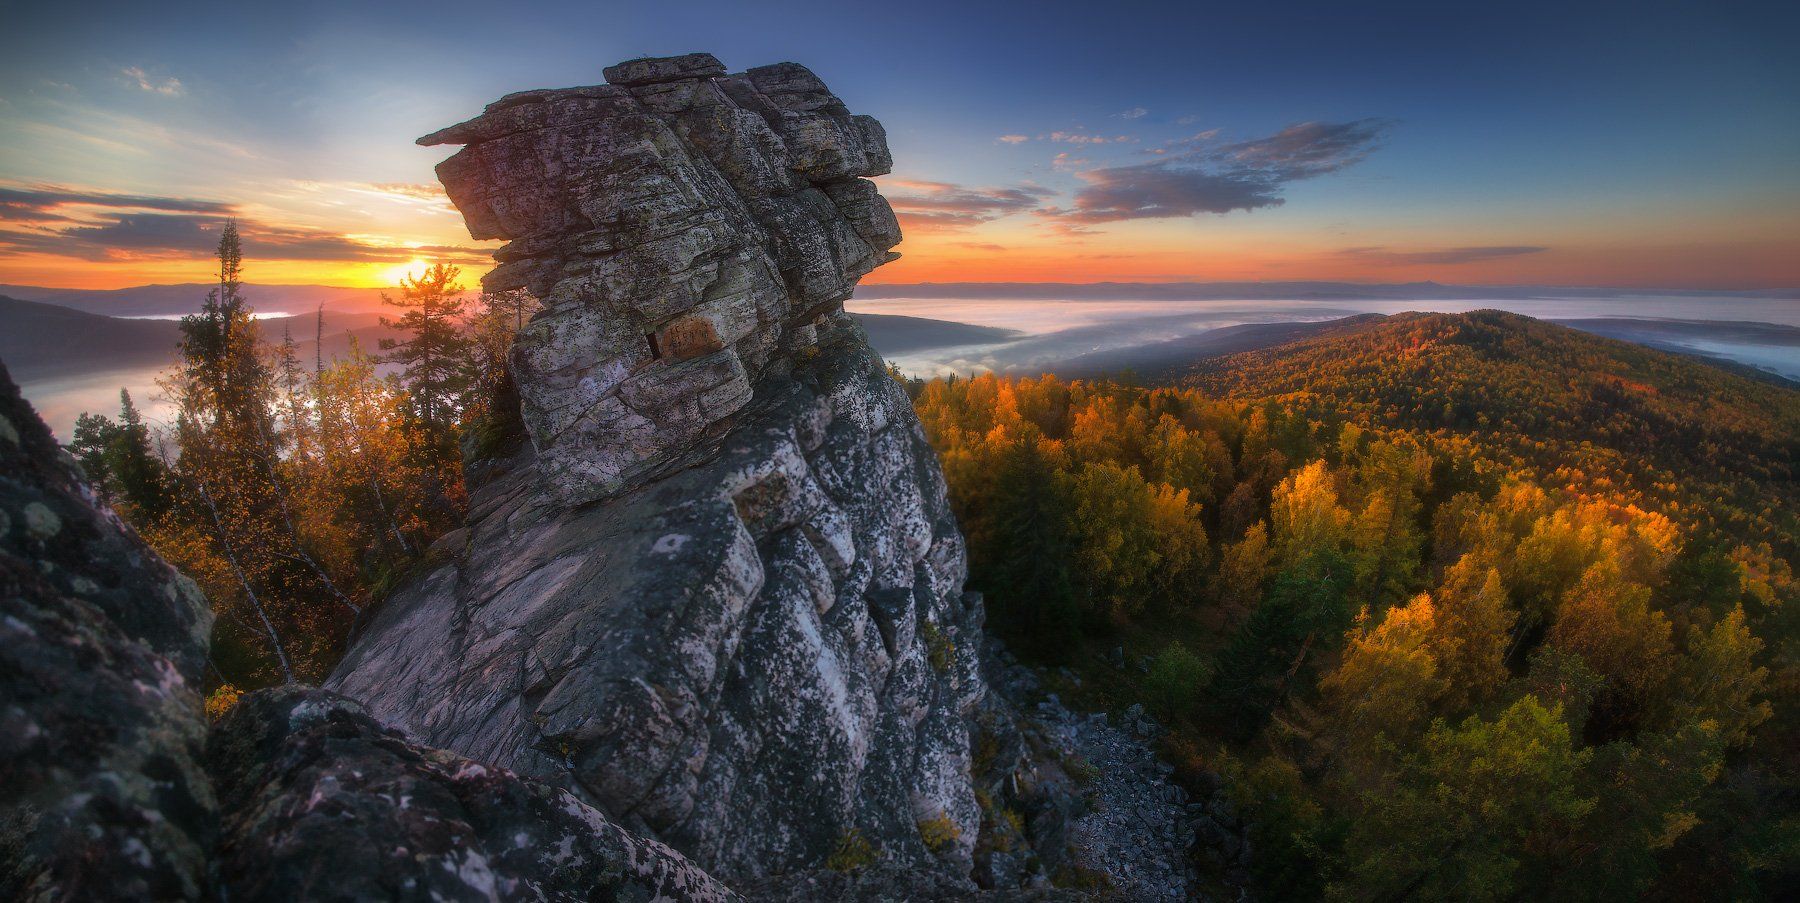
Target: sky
{"type": "Point", "coordinates": [1639, 144]}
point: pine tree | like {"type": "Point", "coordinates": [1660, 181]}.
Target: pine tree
{"type": "Point", "coordinates": [1033, 590]}
{"type": "Point", "coordinates": [436, 356]}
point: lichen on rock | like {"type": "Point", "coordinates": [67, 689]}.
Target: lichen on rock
{"type": "Point", "coordinates": [113, 788]}
{"type": "Point", "coordinates": [721, 594]}
{"type": "Point", "coordinates": [686, 231]}
{"type": "Point", "coordinates": [102, 792]}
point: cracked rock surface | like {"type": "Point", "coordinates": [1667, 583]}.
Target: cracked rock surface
{"type": "Point", "coordinates": [719, 593]}
{"type": "Point", "coordinates": [687, 232]}
{"type": "Point", "coordinates": [112, 787]}
{"type": "Point", "coordinates": [320, 801]}
{"type": "Point", "coordinates": [102, 793]}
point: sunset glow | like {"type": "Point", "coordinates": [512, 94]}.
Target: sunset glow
{"type": "Point", "coordinates": [119, 158]}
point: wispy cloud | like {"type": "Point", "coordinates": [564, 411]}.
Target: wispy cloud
{"type": "Point", "coordinates": [1199, 175]}
{"type": "Point", "coordinates": [1443, 256]}
{"type": "Point", "coordinates": [944, 206]}
{"type": "Point", "coordinates": [168, 87]}
{"type": "Point", "coordinates": [1305, 149]}
{"type": "Point", "coordinates": [1134, 113]}
{"type": "Point", "coordinates": [1068, 137]}
{"type": "Point", "coordinates": [51, 203]}
{"type": "Point", "coordinates": [99, 226]}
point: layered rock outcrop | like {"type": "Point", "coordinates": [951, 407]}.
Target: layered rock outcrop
{"type": "Point", "coordinates": [112, 786]}
{"type": "Point", "coordinates": [719, 593]}
{"type": "Point", "coordinates": [687, 232]}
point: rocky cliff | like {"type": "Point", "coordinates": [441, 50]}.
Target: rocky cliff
{"type": "Point", "coordinates": [114, 787]}
{"type": "Point", "coordinates": [719, 592]}
{"type": "Point", "coordinates": [707, 619]}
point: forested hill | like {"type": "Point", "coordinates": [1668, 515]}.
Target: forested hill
{"type": "Point", "coordinates": [1456, 606]}
{"type": "Point", "coordinates": [1592, 413]}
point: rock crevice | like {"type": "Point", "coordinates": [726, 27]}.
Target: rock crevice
{"type": "Point", "coordinates": [720, 595]}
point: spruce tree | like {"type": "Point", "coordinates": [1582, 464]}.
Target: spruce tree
{"type": "Point", "coordinates": [436, 354]}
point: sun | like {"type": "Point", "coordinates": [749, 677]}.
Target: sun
{"type": "Point", "coordinates": [395, 274]}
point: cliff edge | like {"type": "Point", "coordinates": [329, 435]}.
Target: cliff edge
{"type": "Point", "coordinates": [719, 594]}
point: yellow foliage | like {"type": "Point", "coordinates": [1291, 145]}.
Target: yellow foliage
{"type": "Point", "coordinates": [221, 701]}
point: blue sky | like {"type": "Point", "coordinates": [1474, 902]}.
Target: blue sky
{"type": "Point", "coordinates": [1642, 143]}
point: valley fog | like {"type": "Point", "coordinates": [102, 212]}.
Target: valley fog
{"type": "Point", "coordinates": [1053, 332]}
{"type": "Point", "coordinates": [1058, 330]}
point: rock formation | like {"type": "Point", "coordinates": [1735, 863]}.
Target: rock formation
{"type": "Point", "coordinates": [711, 601]}
{"type": "Point", "coordinates": [112, 789]}
{"type": "Point", "coordinates": [719, 592]}
{"type": "Point", "coordinates": [319, 801]}
{"type": "Point", "coordinates": [688, 232]}
{"type": "Point", "coordinates": [101, 648]}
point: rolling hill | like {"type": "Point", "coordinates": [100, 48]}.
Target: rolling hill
{"type": "Point", "coordinates": [1578, 409]}
{"type": "Point", "coordinates": [180, 299]}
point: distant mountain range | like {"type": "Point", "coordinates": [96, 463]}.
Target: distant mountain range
{"type": "Point", "coordinates": [175, 300]}
{"type": "Point", "coordinates": [42, 341]}
{"type": "Point", "coordinates": [1284, 291]}
{"type": "Point", "coordinates": [47, 341]}
{"type": "Point", "coordinates": [185, 298]}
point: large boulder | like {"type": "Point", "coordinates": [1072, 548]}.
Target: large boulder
{"type": "Point", "coordinates": [321, 802]}
{"type": "Point", "coordinates": [685, 230]}
{"type": "Point", "coordinates": [719, 594]}
{"type": "Point", "coordinates": [102, 793]}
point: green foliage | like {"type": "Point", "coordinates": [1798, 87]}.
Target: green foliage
{"type": "Point", "coordinates": [119, 458]}
{"type": "Point", "coordinates": [1499, 610]}
{"type": "Point", "coordinates": [853, 852]}
{"type": "Point", "coordinates": [1028, 568]}
{"type": "Point", "coordinates": [1176, 679]}
{"type": "Point", "coordinates": [1470, 807]}
{"type": "Point", "coordinates": [940, 649]}
{"type": "Point", "coordinates": [939, 834]}
{"type": "Point", "coordinates": [436, 353]}
{"type": "Point", "coordinates": [1273, 654]}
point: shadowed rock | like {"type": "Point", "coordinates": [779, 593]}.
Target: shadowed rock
{"type": "Point", "coordinates": [108, 779]}
{"type": "Point", "coordinates": [321, 802]}
{"type": "Point", "coordinates": [719, 595]}
{"type": "Point", "coordinates": [102, 795]}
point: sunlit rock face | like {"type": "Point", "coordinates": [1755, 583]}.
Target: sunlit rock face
{"type": "Point", "coordinates": [686, 230]}
{"type": "Point", "coordinates": [720, 594]}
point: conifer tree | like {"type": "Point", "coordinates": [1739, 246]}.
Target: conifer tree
{"type": "Point", "coordinates": [435, 355]}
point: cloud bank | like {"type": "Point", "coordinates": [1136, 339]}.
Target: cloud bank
{"type": "Point", "coordinates": [1200, 175]}
{"type": "Point", "coordinates": [101, 226]}
{"type": "Point", "coordinates": [945, 207]}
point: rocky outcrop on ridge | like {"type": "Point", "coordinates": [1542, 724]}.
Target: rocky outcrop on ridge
{"type": "Point", "coordinates": [111, 787]}
{"type": "Point", "coordinates": [707, 619]}
{"type": "Point", "coordinates": [719, 595]}
{"type": "Point", "coordinates": [688, 233]}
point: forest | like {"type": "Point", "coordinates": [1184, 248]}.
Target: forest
{"type": "Point", "coordinates": [1461, 606]}
{"type": "Point", "coordinates": [297, 493]}
{"type": "Point", "coordinates": [1456, 606]}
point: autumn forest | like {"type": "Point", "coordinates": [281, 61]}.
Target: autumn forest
{"type": "Point", "coordinates": [1461, 606]}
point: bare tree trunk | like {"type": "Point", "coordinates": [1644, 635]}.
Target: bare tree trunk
{"type": "Point", "coordinates": [287, 670]}
{"type": "Point", "coordinates": [386, 512]}
{"type": "Point", "coordinates": [293, 532]}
